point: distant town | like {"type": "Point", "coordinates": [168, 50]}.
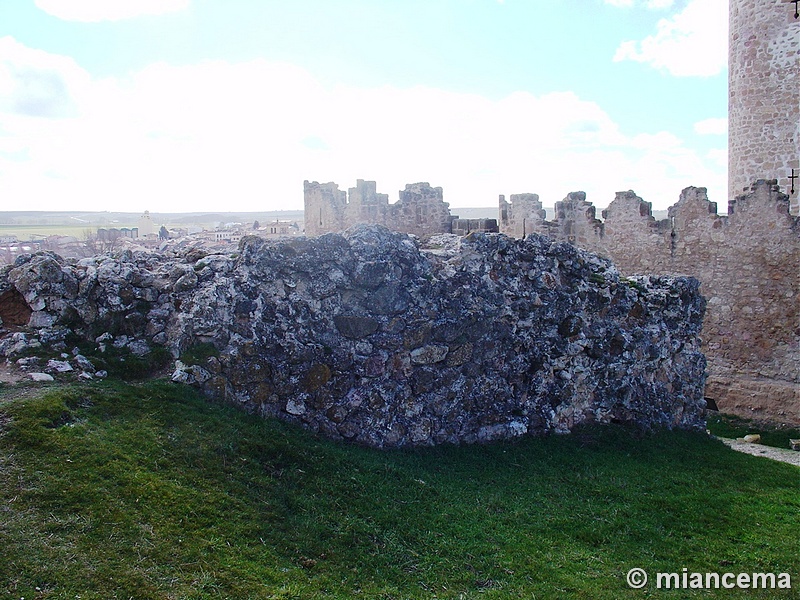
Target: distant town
{"type": "Point", "coordinates": [79, 235]}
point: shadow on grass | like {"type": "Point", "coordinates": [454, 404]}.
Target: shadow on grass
{"type": "Point", "coordinates": [150, 491]}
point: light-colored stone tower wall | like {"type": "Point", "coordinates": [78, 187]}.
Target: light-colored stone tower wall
{"type": "Point", "coordinates": [365, 204]}
{"type": "Point", "coordinates": [421, 209]}
{"type": "Point", "coordinates": [523, 215]}
{"type": "Point", "coordinates": [577, 222]}
{"type": "Point", "coordinates": [325, 206]}
{"type": "Point", "coordinates": [763, 95]}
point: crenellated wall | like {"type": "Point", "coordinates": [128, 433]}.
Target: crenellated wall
{"type": "Point", "coordinates": [421, 209]}
{"type": "Point", "coordinates": [325, 207]}
{"type": "Point", "coordinates": [747, 263]}
{"type": "Point", "coordinates": [523, 215]}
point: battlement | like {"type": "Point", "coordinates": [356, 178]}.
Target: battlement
{"type": "Point", "coordinates": [420, 210]}
{"type": "Point", "coordinates": [747, 262]}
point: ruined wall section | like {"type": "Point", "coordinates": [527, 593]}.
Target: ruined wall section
{"type": "Point", "coordinates": [764, 94]}
{"type": "Point", "coordinates": [366, 205]}
{"type": "Point", "coordinates": [523, 215]}
{"type": "Point", "coordinates": [325, 207]}
{"type": "Point", "coordinates": [629, 224]}
{"type": "Point", "coordinates": [379, 338]}
{"type": "Point", "coordinates": [577, 222]}
{"type": "Point", "coordinates": [753, 325]}
{"type": "Point", "coordinates": [746, 262]}
{"type": "Point", "coordinates": [421, 209]}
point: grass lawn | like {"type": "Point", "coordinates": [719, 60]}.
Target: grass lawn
{"type": "Point", "coordinates": [115, 490]}
{"type": "Point", "coordinates": [28, 232]}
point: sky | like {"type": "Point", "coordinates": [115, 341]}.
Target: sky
{"type": "Point", "coordinates": [209, 105]}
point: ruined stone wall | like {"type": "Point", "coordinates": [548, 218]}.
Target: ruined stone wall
{"type": "Point", "coordinates": [325, 208]}
{"type": "Point", "coordinates": [747, 263]}
{"type": "Point", "coordinates": [764, 94]}
{"type": "Point", "coordinates": [523, 215]}
{"type": "Point", "coordinates": [577, 221]}
{"type": "Point", "coordinates": [375, 338]}
{"type": "Point", "coordinates": [366, 205]}
{"type": "Point", "coordinates": [420, 210]}
{"type": "Point", "coordinates": [629, 221]}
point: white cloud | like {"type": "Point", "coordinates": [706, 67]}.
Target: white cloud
{"type": "Point", "coordinates": [246, 135]}
{"type": "Point", "coordinates": [108, 10]}
{"type": "Point", "coordinates": [35, 83]}
{"type": "Point", "coordinates": [660, 4]}
{"type": "Point", "coordinates": [711, 127]}
{"type": "Point", "coordinates": [694, 42]}
{"type": "Point", "coordinates": [653, 4]}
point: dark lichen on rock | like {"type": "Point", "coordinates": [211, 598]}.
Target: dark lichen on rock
{"type": "Point", "coordinates": [378, 338]}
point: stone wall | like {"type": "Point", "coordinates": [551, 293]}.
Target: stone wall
{"type": "Point", "coordinates": [747, 262]}
{"type": "Point", "coordinates": [420, 210]}
{"type": "Point", "coordinates": [374, 338]}
{"type": "Point", "coordinates": [764, 94]}
{"type": "Point", "coordinates": [325, 208]}
{"type": "Point", "coordinates": [523, 215]}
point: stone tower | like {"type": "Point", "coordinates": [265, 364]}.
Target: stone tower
{"type": "Point", "coordinates": [763, 95]}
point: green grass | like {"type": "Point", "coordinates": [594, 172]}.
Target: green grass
{"type": "Point", "coordinates": [112, 490]}
{"type": "Point", "coordinates": [730, 426]}
{"type": "Point", "coordinates": [30, 232]}
{"type": "Point", "coordinates": [199, 354]}
{"type": "Point", "coordinates": [119, 363]}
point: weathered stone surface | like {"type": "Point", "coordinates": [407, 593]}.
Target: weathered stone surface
{"type": "Point", "coordinates": [355, 327]}
{"type": "Point", "coordinates": [496, 338]}
{"type": "Point", "coordinates": [746, 261]}
{"type": "Point", "coordinates": [428, 355]}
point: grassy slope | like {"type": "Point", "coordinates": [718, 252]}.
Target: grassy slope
{"type": "Point", "coordinates": [116, 491]}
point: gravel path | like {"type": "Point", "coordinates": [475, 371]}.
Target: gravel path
{"type": "Point", "coordinates": [791, 457]}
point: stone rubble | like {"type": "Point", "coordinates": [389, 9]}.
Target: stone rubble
{"type": "Point", "coordinates": [376, 338]}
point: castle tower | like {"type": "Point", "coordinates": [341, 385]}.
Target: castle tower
{"type": "Point", "coordinates": [763, 95]}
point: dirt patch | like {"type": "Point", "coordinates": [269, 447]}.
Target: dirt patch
{"type": "Point", "coordinates": [10, 373]}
